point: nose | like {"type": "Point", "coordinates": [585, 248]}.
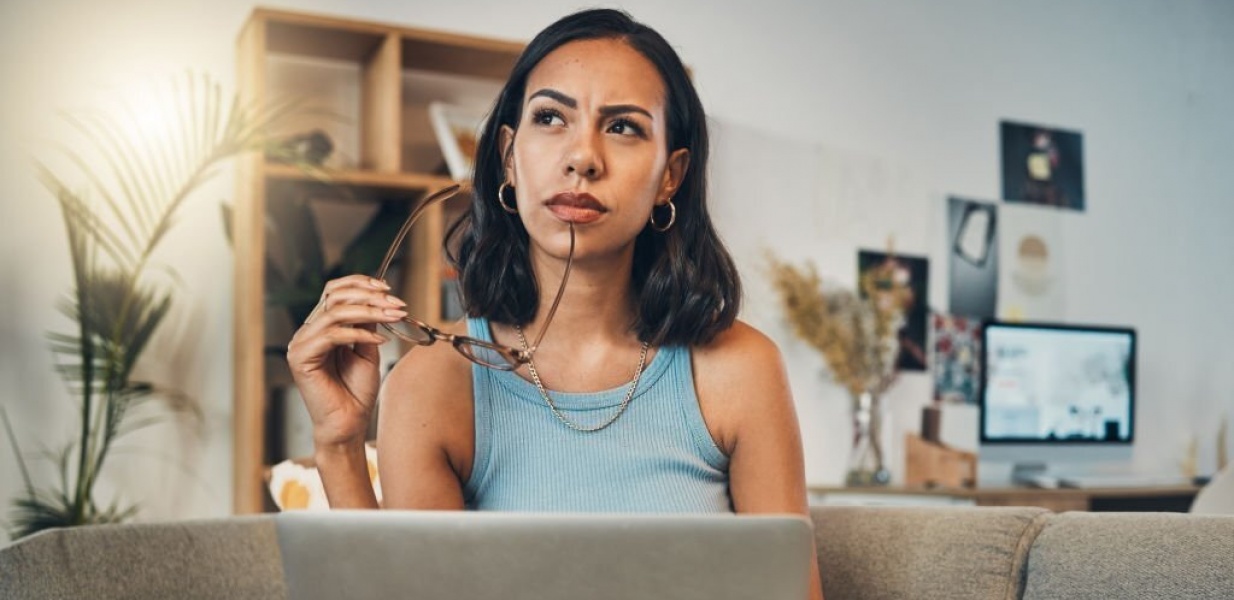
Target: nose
{"type": "Point", "coordinates": [585, 157]}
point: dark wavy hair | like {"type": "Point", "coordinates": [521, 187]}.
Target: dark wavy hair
{"type": "Point", "coordinates": [685, 284]}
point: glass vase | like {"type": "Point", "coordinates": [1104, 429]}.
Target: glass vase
{"type": "Point", "coordinates": [865, 463]}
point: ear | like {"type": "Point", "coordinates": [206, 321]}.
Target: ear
{"type": "Point", "coordinates": [678, 164]}
{"type": "Point", "coordinates": [506, 142]}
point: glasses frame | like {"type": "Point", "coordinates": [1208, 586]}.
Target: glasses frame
{"type": "Point", "coordinates": [516, 357]}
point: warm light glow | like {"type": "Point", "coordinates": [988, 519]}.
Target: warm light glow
{"type": "Point", "coordinates": [146, 110]}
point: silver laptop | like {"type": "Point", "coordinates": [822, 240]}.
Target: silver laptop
{"type": "Point", "coordinates": [429, 555]}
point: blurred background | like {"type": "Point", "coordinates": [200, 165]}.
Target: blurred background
{"type": "Point", "coordinates": [836, 125]}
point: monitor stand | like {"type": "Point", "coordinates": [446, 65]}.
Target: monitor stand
{"type": "Point", "coordinates": [999, 465]}
{"type": "Point", "coordinates": [1028, 473]}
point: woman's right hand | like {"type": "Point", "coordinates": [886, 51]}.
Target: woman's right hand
{"type": "Point", "coordinates": [335, 359]}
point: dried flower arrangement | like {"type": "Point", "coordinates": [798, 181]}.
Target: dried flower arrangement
{"type": "Point", "coordinates": [857, 336]}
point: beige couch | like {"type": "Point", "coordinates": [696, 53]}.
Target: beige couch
{"type": "Point", "coordinates": [864, 552]}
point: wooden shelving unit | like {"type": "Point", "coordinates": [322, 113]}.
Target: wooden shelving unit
{"type": "Point", "coordinates": [411, 182]}
{"type": "Point", "coordinates": [383, 59]}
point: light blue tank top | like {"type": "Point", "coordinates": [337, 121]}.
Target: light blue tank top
{"type": "Point", "coordinates": [657, 457]}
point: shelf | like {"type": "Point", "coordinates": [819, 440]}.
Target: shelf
{"type": "Point", "coordinates": [320, 36]}
{"type": "Point", "coordinates": [1158, 498]}
{"type": "Point", "coordinates": [489, 60]}
{"type": "Point", "coordinates": [308, 39]}
{"type": "Point", "coordinates": [414, 182]}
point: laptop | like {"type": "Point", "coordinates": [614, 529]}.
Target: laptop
{"type": "Point", "coordinates": [440, 555]}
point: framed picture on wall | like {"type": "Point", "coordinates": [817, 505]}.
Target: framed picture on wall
{"type": "Point", "coordinates": [1042, 165]}
{"type": "Point", "coordinates": [915, 272]}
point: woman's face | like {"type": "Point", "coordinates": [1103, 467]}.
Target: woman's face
{"type": "Point", "coordinates": [591, 149]}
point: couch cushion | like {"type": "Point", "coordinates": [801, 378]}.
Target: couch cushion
{"type": "Point", "coordinates": [1133, 555]}
{"type": "Point", "coordinates": [225, 558]}
{"type": "Point", "coordinates": [923, 552]}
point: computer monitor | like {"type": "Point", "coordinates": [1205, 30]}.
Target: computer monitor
{"type": "Point", "coordinates": [1053, 393]}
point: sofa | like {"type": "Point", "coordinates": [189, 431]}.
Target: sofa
{"type": "Point", "coordinates": [956, 553]}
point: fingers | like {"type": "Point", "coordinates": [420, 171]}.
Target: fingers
{"type": "Point", "coordinates": [356, 315]}
{"type": "Point", "coordinates": [354, 289]}
{"type": "Point", "coordinates": [369, 352]}
{"type": "Point", "coordinates": [359, 281]}
{"type": "Point", "coordinates": [346, 318]}
{"type": "Point", "coordinates": [307, 352]}
{"type": "Point", "coordinates": [359, 296]}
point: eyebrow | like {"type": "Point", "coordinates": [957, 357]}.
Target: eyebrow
{"type": "Point", "coordinates": [605, 111]}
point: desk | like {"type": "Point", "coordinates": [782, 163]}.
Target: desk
{"type": "Point", "coordinates": [1151, 499]}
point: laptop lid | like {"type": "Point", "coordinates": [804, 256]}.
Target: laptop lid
{"type": "Point", "coordinates": [435, 555]}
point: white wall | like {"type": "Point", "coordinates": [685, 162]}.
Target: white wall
{"type": "Point", "coordinates": [835, 125]}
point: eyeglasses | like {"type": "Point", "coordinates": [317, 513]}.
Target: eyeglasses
{"type": "Point", "coordinates": [488, 354]}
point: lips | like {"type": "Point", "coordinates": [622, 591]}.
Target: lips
{"type": "Point", "coordinates": [576, 207]}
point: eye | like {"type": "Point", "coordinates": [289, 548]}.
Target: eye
{"type": "Point", "coordinates": [547, 116]}
{"type": "Point", "coordinates": [624, 126]}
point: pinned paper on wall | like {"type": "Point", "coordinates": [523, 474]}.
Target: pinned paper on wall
{"type": "Point", "coordinates": [1031, 283]}
{"type": "Point", "coordinates": [972, 257]}
{"type": "Point", "coordinates": [957, 358]}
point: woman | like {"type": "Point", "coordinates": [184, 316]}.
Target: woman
{"type": "Point", "coordinates": [646, 394]}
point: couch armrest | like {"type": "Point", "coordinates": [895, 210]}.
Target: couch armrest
{"type": "Point", "coordinates": [924, 552]}
{"type": "Point", "coordinates": [1084, 556]}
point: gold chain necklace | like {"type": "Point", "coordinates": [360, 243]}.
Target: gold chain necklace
{"type": "Point", "coordinates": [625, 403]}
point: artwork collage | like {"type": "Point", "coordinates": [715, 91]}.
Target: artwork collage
{"type": "Point", "coordinates": [1004, 259]}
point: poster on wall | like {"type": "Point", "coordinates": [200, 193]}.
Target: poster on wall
{"type": "Point", "coordinates": [1043, 166]}
{"type": "Point", "coordinates": [915, 271]}
{"type": "Point", "coordinates": [957, 358]}
{"type": "Point", "coordinates": [1031, 284]}
{"type": "Point", "coordinates": [972, 257]}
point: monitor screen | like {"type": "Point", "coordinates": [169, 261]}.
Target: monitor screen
{"type": "Point", "coordinates": [1044, 383]}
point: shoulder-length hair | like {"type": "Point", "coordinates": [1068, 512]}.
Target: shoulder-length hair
{"type": "Point", "coordinates": [685, 285]}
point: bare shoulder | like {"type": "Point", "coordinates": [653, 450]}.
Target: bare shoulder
{"type": "Point", "coordinates": [426, 407]}
{"type": "Point", "coordinates": [424, 371]}
{"type": "Point", "coordinates": [740, 347]}
{"type": "Point", "coordinates": [739, 378]}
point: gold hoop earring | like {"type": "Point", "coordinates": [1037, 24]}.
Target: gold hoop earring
{"type": "Point", "coordinates": [672, 218]}
{"type": "Point", "coordinates": [501, 199]}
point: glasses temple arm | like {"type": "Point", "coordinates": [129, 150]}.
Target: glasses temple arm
{"type": "Point", "coordinates": [565, 276]}
{"type": "Point", "coordinates": [436, 197]}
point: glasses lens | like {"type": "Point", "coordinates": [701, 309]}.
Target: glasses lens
{"type": "Point", "coordinates": [486, 355]}
{"type": "Point", "coordinates": [409, 332]}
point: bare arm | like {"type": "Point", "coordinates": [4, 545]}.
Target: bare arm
{"type": "Point", "coordinates": [425, 430]}
{"type": "Point", "coordinates": [334, 360]}
{"type": "Point", "coordinates": [344, 476]}
{"type": "Point", "coordinates": [743, 377]}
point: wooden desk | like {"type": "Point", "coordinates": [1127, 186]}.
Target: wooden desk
{"type": "Point", "coordinates": [1158, 499]}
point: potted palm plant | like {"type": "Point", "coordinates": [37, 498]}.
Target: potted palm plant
{"type": "Point", "coordinates": [119, 200]}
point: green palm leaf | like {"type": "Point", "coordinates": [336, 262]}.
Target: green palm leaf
{"type": "Point", "coordinates": [136, 180]}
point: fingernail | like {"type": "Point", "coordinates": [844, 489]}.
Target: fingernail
{"type": "Point", "coordinates": [394, 300]}
{"type": "Point", "coordinates": [394, 312]}
{"type": "Point", "coordinates": [379, 284]}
